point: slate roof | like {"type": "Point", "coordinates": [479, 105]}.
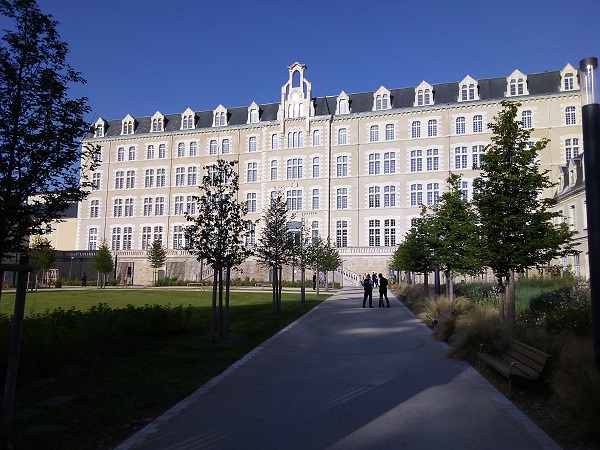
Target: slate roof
{"type": "Point", "coordinates": [443, 94]}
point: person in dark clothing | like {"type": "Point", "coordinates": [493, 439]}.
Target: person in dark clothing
{"type": "Point", "coordinates": [314, 281]}
{"type": "Point", "coordinates": [368, 287]}
{"type": "Point", "coordinates": [383, 283]}
{"type": "Point", "coordinates": [374, 279]}
{"type": "Point", "coordinates": [84, 280]}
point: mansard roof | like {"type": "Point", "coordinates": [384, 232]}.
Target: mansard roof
{"type": "Point", "coordinates": [443, 94]}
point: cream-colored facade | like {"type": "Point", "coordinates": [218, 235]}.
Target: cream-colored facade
{"type": "Point", "coordinates": [354, 167]}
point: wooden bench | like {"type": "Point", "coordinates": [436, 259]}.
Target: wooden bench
{"type": "Point", "coordinates": [263, 285]}
{"type": "Point", "coordinates": [516, 360]}
{"type": "Point", "coordinates": [444, 315]}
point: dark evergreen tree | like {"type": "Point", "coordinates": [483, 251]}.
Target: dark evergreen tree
{"type": "Point", "coordinates": [157, 256]}
{"type": "Point", "coordinates": [40, 126]}
{"type": "Point", "coordinates": [103, 263]}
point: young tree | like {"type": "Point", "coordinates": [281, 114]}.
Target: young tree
{"type": "Point", "coordinates": [42, 256]}
{"type": "Point", "coordinates": [103, 263]}
{"type": "Point", "coordinates": [515, 220]}
{"type": "Point", "coordinates": [157, 256]}
{"type": "Point", "coordinates": [274, 246]}
{"type": "Point", "coordinates": [300, 254]}
{"type": "Point", "coordinates": [323, 257]}
{"type": "Point", "coordinates": [454, 234]}
{"type": "Point", "coordinates": [40, 126]}
{"type": "Point", "coordinates": [217, 233]}
{"type": "Point", "coordinates": [415, 253]}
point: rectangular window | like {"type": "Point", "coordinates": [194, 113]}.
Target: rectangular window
{"type": "Point", "coordinates": [147, 207]}
{"type": "Point", "coordinates": [150, 152]}
{"type": "Point", "coordinates": [117, 207]}
{"type": "Point", "coordinates": [159, 206]}
{"type": "Point", "coordinates": [180, 150]}
{"type": "Point", "coordinates": [389, 232]}
{"type": "Point", "coordinates": [192, 176]}
{"type": "Point", "coordinates": [460, 158]}
{"type": "Point", "coordinates": [116, 239]}
{"type": "Point", "coordinates": [416, 129]}
{"type": "Point", "coordinates": [389, 162]}
{"type": "Point", "coordinates": [252, 145]}
{"type": "Point", "coordinates": [571, 148]}
{"type": "Point", "coordinates": [128, 207]}
{"type": "Point", "coordinates": [178, 205]}
{"type": "Point", "coordinates": [389, 196]}
{"type": "Point", "coordinates": [433, 193]}
{"type": "Point", "coordinates": [416, 160]}
{"type": "Point", "coordinates": [93, 239]}
{"type": "Point", "coordinates": [94, 209]}
{"type": "Point", "coordinates": [158, 234]}
{"type": "Point", "coordinates": [252, 172]}
{"type": "Point", "coordinates": [341, 238]}
{"type": "Point", "coordinates": [162, 151]}
{"type": "Point", "coordinates": [374, 164]}
{"type": "Point", "coordinates": [416, 194]}
{"type": "Point", "coordinates": [149, 178]}
{"type": "Point", "coordinates": [390, 132]}
{"type": "Point", "coordinates": [477, 151]}
{"type": "Point", "coordinates": [374, 133]}
{"type": "Point", "coordinates": [146, 237]}
{"type": "Point", "coordinates": [374, 197]}
{"type": "Point", "coordinates": [294, 199]}
{"type": "Point", "coordinates": [127, 237]}
{"type": "Point", "coordinates": [96, 181]}
{"type": "Point", "coordinates": [342, 136]}
{"type": "Point", "coordinates": [477, 124]}
{"type": "Point", "coordinates": [433, 159]}
{"type": "Point", "coordinates": [130, 181]}
{"type": "Point", "coordinates": [161, 177]}
{"type": "Point", "coordinates": [460, 125]}
{"type": "Point", "coordinates": [342, 198]}
{"type": "Point", "coordinates": [178, 236]}
{"type": "Point", "coordinates": [180, 176]}
{"type": "Point", "coordinates": [251, 202]}
{"type": "Point", "coordinates": [315, 199]}
{"type": "Point", "coordinates": [570, 117]}
{"type": "Point", "coordinates": [526, 119]}
{"type": "Point", "coordinates": [294, 168]}
{"type": "Point", "coordinates": [342, 166]}
{"type": "Point", "coordinates": [193, 148]}
{"type": "Point", "coordinates": [190, 205]}
{"type": "Point", "coordinates": [119, 179]}
{"type": "Point", "coordinates": [273, 170]}
{"type": "Point", "coordinates": [131, 153]}
{"type": "Point", "coordinates": [317, 137]}
{"type": "Point", "coordinates": [374, 233]}
{"type": "Point", "coordinates": [316, 167]}
{"type": "Point", "coordinates": [432, 128]}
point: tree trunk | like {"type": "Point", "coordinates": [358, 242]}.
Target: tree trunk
{"type": "Point", "coordinates": [500, 297]}
{"type": "Point", "coordinates": [213, 319]}
{"type": "Point", "coordinates": [302, 285]}
{"type": "Point", "coordinates": [221, 314]}
{"type": "Point", "coordinates": [426, 282]}
{"type": "Point", "coordinates": [280, 286]}
{"type": "Point", "coordinates": [511, 304]}
{"type": "Point", "coordinates": [450, 286]}
{"type": "Point", "coordinates": [228, 277]}
{"type": "Point", "coordinates": [275, 289]}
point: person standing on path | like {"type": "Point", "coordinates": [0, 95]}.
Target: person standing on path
{"type": "Point", "coordinates": [368, 287]}
{"type": "Point", "coordinates": [383, 283]}
{"type": "Point", "coordinates": [84, 280]}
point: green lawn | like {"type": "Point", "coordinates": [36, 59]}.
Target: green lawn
{"type": "Point", "coordinates": [118, 391]}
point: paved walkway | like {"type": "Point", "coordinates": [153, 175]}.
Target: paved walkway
{"type": "Point", "coordinates": [344, 377]}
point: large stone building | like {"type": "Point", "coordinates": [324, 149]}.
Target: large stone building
{"type": "Point", "coordinates": [354, 167]}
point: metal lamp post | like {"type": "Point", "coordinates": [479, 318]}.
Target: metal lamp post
{"type": "Point", "coordinates": [436, 270]}
{"type": "Point", "coordinates": [590, 113]}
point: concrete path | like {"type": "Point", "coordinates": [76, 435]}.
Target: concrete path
{"type": "Point", "coordinates": [344, 377]}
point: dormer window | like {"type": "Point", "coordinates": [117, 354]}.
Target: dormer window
{"type": "Point", "coordinates": [516, 84]}
{"type": "Point", "coordinates": [220, 117]}
{"type": "Point", "coordinates": [381, 99]}
{"type": "Point", "coordinates": [343, 104]}
{"type": "Point", "coordinates": [253, 113]}
{"type": "Point", "coordinates": [99, 128]}
{"type": "Point", "coordinates": [158, 123]}
{"type": "Point", "coordinates": [423, 94]}
{"type": "Point", "coordinates": [188, 120]}
{"type": "Point", "coordinates": [568, 77]}
{"type": "Point", "coordinates": [468, 90]}
{"type": "Point", "coordinates": [127, 125]}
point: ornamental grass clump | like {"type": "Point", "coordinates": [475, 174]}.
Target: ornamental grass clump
{"type": "Point", "coordinates": [477, 325]}
{"type": "Point", "coordinates": [576, 386]}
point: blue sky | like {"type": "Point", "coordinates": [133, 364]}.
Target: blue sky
{"type": "Point", "coordinates": [143, 56]}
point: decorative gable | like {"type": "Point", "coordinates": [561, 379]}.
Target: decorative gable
{"type": "Point", "coordinates": [296, 94]}
{"type": "Point", "coordinates": [381, 99]}
{"type": "Point", "coordinates": [100, 128]}
{"type": "Point", "coordinates": [568, 79]}
{"type": "Point", "coordinates": [158, 122]}
{"type": "Point", "coordinates": [343, 104]}
{"type": "Point", "coordinates": [253, 113]}
{"type": "Point", "coordinates": [188, 120]}
{"type": "Point", "coordinates": [128, 125]}
{"type": "Point", "coordinates": [468, 90]}
{"type": "Point", "coordinates": [516, 84]}
{"type": "Point", "coordinates": [423, 94]}
{"type": "Point", "coordinates": [220, 116]}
